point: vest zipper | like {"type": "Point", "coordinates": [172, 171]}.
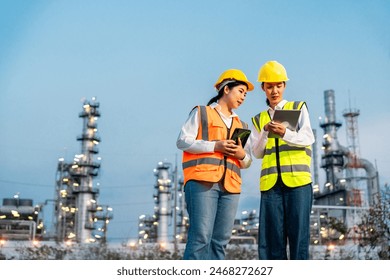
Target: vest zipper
{"type": "Point", "coordinates": [277, 157]}
{"type": "Point", "coordinates": [225, 159]}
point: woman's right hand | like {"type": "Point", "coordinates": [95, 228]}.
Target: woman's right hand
{"type": "Point", "coordinates": [227, 147]}
{"type": "Point", "coordinates": [276, 128]}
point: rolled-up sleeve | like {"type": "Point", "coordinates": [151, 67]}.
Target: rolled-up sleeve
{"type": "Point", "coordinates": [258, 140]}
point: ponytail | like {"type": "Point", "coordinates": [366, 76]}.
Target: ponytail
{"type": "Point", "coordinates": [220, 92]}
{"type": "Point", "coordinates": [215, 98]}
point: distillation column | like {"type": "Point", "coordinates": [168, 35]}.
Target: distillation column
{"type": "Point", "coordinates": [86, 198]}
{"type": "Point", "coordinates": [78, 216]}
{"type": "Point", "coordinates": [332, 160]}
{"type": "Point", "coordinates": [163, 207]}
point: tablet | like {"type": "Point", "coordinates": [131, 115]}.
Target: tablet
{"type": "Point", "coordinates": [241, 133]}
{"type": "Point", "coordinates": [289, 118]}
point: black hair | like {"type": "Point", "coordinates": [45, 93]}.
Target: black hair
{"type": "Point", "coordinates": [220, 92]}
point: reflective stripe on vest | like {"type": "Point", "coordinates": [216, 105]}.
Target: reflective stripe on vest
{"type": "Point", "coordinates": [285, 148]}
{"type": "Point", "coordinates": [212, 167]}
{"type": "Point", "coordinates": [294, 162]}
{"type": "Point", "coordinates": [211, 161]}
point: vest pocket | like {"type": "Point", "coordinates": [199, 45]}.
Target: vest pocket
{"type": "Point", "coordinates": [237, 180]}
{"type": "Point", "coordinates": [206, 168]}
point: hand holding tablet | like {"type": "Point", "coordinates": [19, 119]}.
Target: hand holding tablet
{"type": "Point", "coordinates": [241, 133]}
{"type": "Point", "coordinates": [288, 118]}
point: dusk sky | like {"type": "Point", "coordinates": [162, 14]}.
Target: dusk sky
{"type": "Point", "coordinates": [149, 62]}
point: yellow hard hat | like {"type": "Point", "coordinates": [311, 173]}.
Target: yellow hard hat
{"type": "Point", "coordinates": [233, 75]}
{"type": "Point", "coordinates": [272, 72]}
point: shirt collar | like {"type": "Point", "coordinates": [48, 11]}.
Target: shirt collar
{"type": "Point", "coordinates": [215, 105]}
{"type": "Point", "coordinates": [279, 106]}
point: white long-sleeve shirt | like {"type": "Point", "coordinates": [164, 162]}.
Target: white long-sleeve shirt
{"type": "Point", "coordinates": [187, 141]}
{"type": "Point", "coordinates": [301, 138]}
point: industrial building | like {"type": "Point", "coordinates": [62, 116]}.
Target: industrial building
{"type": "Point", "coordinates": [20, 219]}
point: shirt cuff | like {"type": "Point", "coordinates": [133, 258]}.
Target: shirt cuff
{"type": "Point", "coordinates": [288, 135]}
{"type": "Point", "coordinates": [245, 159]}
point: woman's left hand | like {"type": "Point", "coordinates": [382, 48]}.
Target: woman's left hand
{"type": "Point", "coordinates": [230, 148]}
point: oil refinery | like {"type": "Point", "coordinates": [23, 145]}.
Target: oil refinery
{"type": "Point", "coordinates": [78, 217]}
{"type": "Point", "coordinates": [350, 189]}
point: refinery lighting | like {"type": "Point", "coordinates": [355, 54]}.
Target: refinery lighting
{"type": "Point", "coordinates": [132, 244]}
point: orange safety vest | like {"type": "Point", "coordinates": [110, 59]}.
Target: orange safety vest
{"type": "Point", "coordinates": [213, 167]}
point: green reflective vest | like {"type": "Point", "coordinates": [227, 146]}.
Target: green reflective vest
{"type": "Point", "coordinates": [289, 162]}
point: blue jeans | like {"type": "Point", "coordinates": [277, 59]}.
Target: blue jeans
{"type": "Point", "coordinates": [285, 218]}
{"type": "Point", "coordinates": [211, 215]}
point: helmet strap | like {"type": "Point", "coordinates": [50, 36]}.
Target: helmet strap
{"type": "Point", "coordinates": [224, 83]}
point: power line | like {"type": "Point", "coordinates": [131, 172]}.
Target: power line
{"type": "Point", "coordinates": [51, 186]}
{"type": "Point", "coordinates": [131, 203]}
{"type": "Point", "coordinates": [26, 184]}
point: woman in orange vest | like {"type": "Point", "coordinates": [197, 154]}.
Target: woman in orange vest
{"type": "Point", "coordinates": [211, 167]}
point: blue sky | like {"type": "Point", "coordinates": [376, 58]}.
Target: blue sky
{"type": "Point", "coordinates": [149, 62]}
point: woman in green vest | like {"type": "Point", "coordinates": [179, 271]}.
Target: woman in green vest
{"type": "Point", "coordinates": [285, 179]}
